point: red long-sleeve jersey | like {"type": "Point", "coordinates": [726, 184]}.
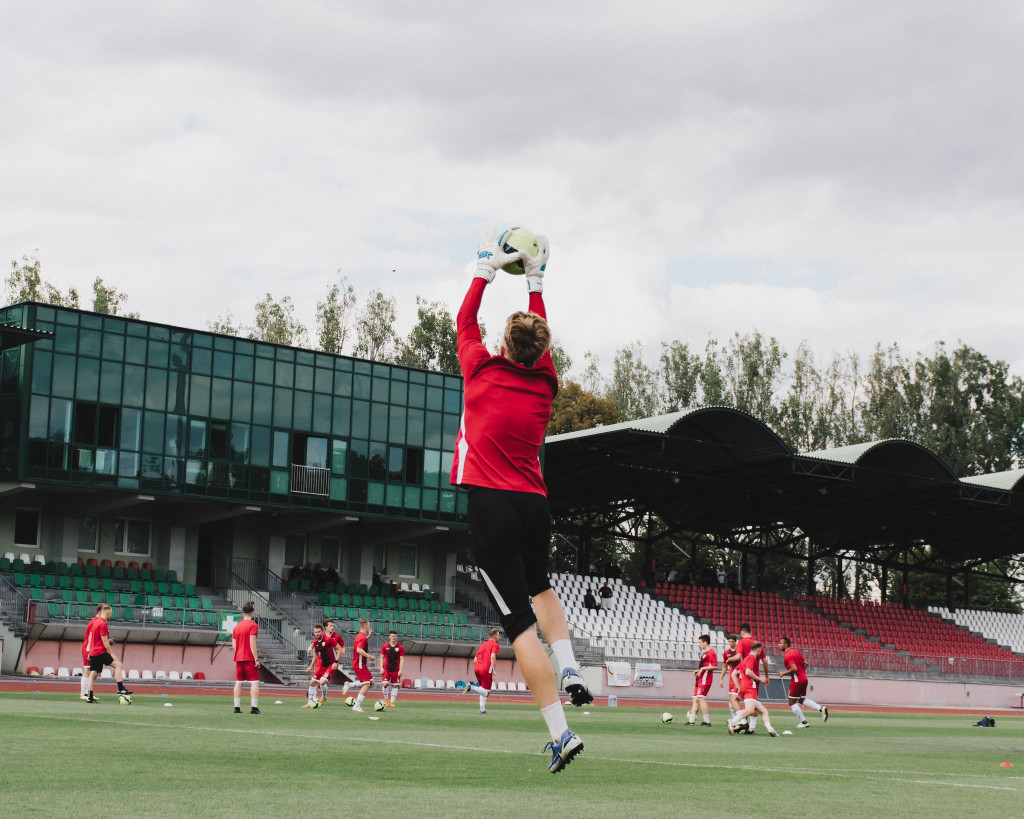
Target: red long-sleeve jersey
{"type": "Point", "coordinates": [506, 410]}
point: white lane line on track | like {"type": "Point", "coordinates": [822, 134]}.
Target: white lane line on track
{"type": "Point", "coordinates": [865, 774]}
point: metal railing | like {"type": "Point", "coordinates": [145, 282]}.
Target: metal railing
{"type": "Point", "coordinates": [310, 480]}
{"type": "Point", "coordinates": [13, 607]}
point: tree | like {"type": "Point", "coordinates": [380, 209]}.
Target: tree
{"type": "Point", "coordinates": [681, 375]}
{"type": "Point", "coordinates": [634, 385]}
{"type": "Point", "coordinates": [276, 322]}
{"type": "Point", "coordinates": [26, 284]}
{"type": "Point", "coordinates": [575, 408]}
{"type": "Point", "coordinates": [107, 300]}
{"type": "Point", "coordinates": [225, 325]}
{"type": "Point", "coordinates": [560, 358]}
{"type": "Point", "coordinates": [334, 315]}
{"type": "Point", "coordinates": [432, 342]}
{"type": "Point", "coordinates": [375, 328]}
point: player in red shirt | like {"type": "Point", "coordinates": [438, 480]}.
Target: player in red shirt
{"type": "Point", "coordinates": [361, 659]}
{"type": "Point", "coordinates": [392, 666]}
{"type": "Point", "coordinates": [733, 691]}
{"type": "Point", "coordinates": [483, 668]}
{"type": "Point", "coordinates": [324, 651]}
{"type": "Point", "coordinates": [747, 680]}
{"type": "Point", "coordinates": [795, 667]}
{"type": "Point", "coordinates": [507, 408]}
{"type": "Point", "coordinates": [101, 652]}
{"type": "Point", "coordinates": [703, 675]}
{"type": "Point", "coordinates": [86, 645]}
{"type": "Point", "coordinates": [742, 651]}
{"type": "Point", "coordinates": [247, 661]}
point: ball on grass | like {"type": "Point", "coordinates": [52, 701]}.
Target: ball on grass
{"type": "Point", "coordinates": [379, 705]}
{"type": "Point", "coordinates": [124, 699]}
{"type": "Point", "coordinates": [350, 701]}
{"type": "Point", "coordinates": [666, 717]}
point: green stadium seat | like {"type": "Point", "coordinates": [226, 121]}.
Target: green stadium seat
{"type": "Point", "coordinates": [78, 582]}
{"type": "Point", "coordinates": [146, 574]}
{"type": "Point", "coordinates": [211, 618]}
{"type": "Point", "coordinates": [106, 571]}
{"type": "Point", "coordinates": [345, 599]}
{"type": "Point", "coordinates": [172, 575]}
{"type": "Point", "coordinates": [306, 586]}
{"type": "Point", "coordinates": [93, 584]}
{"type": "Point", "coordinates": [149, 587]}
{"type": "Point", "coordinates": [50, 567]}
{"type": "Point", "coordinates": [127, 613]}
{"type": "Point", "coordinates": [81, 596]}
{"type": "Point", "coordinates": [55, 609]}
{"type": "Point", "coordinates": [374, 590]}
{"type": "Point", "coordinates": [180, 603]}
{"type": "Point", "coordinates": [119, 573]}
{"type": "Point", "coordinates": [362, 588]}
{"type": "Point", "coordinates": [50, 581]}
{"type": "Point", "coordinates": [67, 596]}
{"type": "Point", "coordinates": [329, 586]}
{"type": "Point", "coordinates": [140, 600]}
{"type": "Point", "coordinates": [357, 600]}
{"type": "Point", "coordinates": [5, 564]}
{"type": "Point", "coordinates": [163, 588]}
{"type": "Point", "coordinates": [20, 579]}
{"type": "Point", "coordinates": [132, 573]}
{"type": "Point", "coordinates": [188, 589]}
{"type": "Point", "coordinates": [63, 581]}
{"type": "Point", "coordinates": [293, 584]}
{"type": "Point", "coordinates": [323, 599]}
{"type": "Point", "coordinates": [207, 604]}
{"type": "Point", "coordinates": [63, 568]}
{"type": "Point", "coordinates": [91, 570]}
{"type": "Point", "coordinates": [427, 594]}
{"type": "Point", "coordinates": [75, 569]}
{"type": "Point", "coordinates": [193, 603]}
{"type": "Point", "coordinates": [175, 588]}
{"type": "Point", "coordinates": [107, 584]}
{"type": "Point", "coordinates": [167, 601]}
{"type": "Point", "coordinates": [160, 575]}
{"type": "Point", "coordinates": [135, 586]}
{"type": "Point", "coordinates": [83, 612]}
{"type": "Point", "coordinates": [35, 594]}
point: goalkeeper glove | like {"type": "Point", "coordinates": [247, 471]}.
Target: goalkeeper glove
{"type": "Point", "coordinates": [536, 265]}
{"type": "Point", "coordinates": [490, 257]}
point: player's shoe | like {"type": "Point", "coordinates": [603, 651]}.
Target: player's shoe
{"type": "Point", "coordinates": [357, 708]}
{"type": "Point", "coordinates": [732, 728]}
{"type": "Point", "coordinates": [564, 751]}
{"type": "Point", "coordinates": [772, 733]}
{"type": "Point", "coordinates": [705, 725]}
{"type": "Point", "coordinates": [482, 711]}
{"type": "Point", "coordinates": [576, 688]}
{"type": "Point", "coordinates": [238, 710]}
{"type": "Point", "coordinates": [690, 718]}
{"type": "Point", "coordinates": [390, 704]}
{"type": "Point", "coordinates": [91, 700]}
{"type": "Point", "coordinates": [125, 691]}
{"type": "Point", "coordinates": [309, 704]}
{"type": "Point", "coordinates": [83, 696]}
{"type": "Point", "coordinates": [824, 713]}
{"type": "Point", "coordinates": [804, 724]}
{"type": "Point", "coordinates": [255, 710]}
{"type": "Point", "coordinates": [345, 688]}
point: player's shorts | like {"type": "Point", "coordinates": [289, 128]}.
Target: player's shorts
{"type": "Point", "coordinates": [701, 689]}
{"type": "Point", "coordinates": [391, 677]}
{"type": "Point", "coordinates": [97, 661]}
{"type": "Point", "coordinates": [798, 689]}
{"type": "Point", "coordinates": [484, 679]}
{"type": "Point", "coordinates": [511, 534]}
{"type": "Point", "coordinates": [363, 674]}
{"type": "Point", "coordinates": [247, 671]}
{"type": "Point", "coordinates": [322, 673]}
{"type": "Point", "coordinates": [747, 694]}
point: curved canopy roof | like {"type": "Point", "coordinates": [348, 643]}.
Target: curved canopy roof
{"type": "Point", "coordinates": [718, 470]}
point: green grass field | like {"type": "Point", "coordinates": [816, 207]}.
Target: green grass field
{"type": "Point", "coordinates": [62, 757]}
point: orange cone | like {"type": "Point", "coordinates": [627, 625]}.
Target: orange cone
{"type": "Point", "coordinates": [1006, 765]}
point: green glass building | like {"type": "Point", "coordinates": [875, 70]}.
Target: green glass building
{"type": "Point", "coordinates": [126, 439]}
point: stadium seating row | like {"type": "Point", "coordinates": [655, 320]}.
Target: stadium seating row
{"type": "Point", "coordinates": [1005, 628]}
{"type": "Point", "coordinates": [51, 581]}
{"type": "Point", "coordinates": [89, 568]}
{"type": "Point", "coordinates": [405, 589]}
{"type": "Point", "coordinates": [54, 610]}
{"type": "Point", "coordinates": [380, 601]}
{"type": "Point", "coordinates": [133, 674]}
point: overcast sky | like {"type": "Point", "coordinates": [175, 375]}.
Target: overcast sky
{"type": "Point", "coordinates": [844, 173]}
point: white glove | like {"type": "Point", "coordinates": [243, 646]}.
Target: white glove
{"type": "Point", "coordinates": [536, 265]}
{"type": "Point", "coordinates": [490, 257]}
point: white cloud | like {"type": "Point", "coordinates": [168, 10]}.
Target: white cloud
{"type": "Point", "coordinates": [845, 173]}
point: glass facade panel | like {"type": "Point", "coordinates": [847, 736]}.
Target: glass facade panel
{"type": "Point", "coordinates": [134, 390]}
{"type": "Point", "coordinates": [88, 382]}
{"type": "Point", "coordinates": [42, 366]}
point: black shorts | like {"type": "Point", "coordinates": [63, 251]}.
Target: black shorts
{"type": "Point", "coordinates": [511, 534]}
{"type": "Point", "coordinates": [96, 663]}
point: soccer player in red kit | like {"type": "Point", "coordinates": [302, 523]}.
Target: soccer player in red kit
{"type": "Point", "coordinates": [497, 458]}
{"type": "Point", "coordinates": [86, 645]}
{"type": "Point", "coordinates": [247, 662]}
{"type": "Point", "coordinates": [704, 675]}
{"type": "Point", "coordinates": [747, 680]}
{"type": "Point", "coordinates": [733, 691]}
{"type": "Point", "coordinates": [795, 667]}
{"type": "Point", "coordinates": [325, 661]}
{"type": "Point", "coordinates": [101, 652]}
{"type": "Point", "coordinates": [483, 668]}
{"type": "Point", "coordinates": [742, 651]}
{"type": "Point", "coordinates": [392, 666]}
{"type": "Point", "coordinates": [361, 658]}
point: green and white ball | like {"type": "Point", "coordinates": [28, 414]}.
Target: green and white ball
{"type": "Point", "coordinates": [518, 238]}
{"type": "Point", "coordinates": [124, 699]}
{"type": "Point", "coordinates": [379, 705]}
{"type": "Point", "coordinates": [666, 717]}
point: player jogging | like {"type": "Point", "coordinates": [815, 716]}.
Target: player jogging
{"type": "Point", "coordinates": [392, 666]}
{"type": "Point", "coordinates": [361, 658]}
{"type": "Point", "coordinates": [507, 405]}
{"type": "Point", "coordinates": [795, 667]}
{"type": "Point", "coordinates": [733, 691]}
{"type": "Point", "coordinates": [483, 668]}
{"type": "Point", "coordinates": [323, 664]}
{"type": "Point", "coordinates": [247, 662]}
{"type": "Point", "coordinates": [703, 675]}
{"type": "Point", "coordinates": [743, 645]}
{"type": "Point", "coordinates": [748, 678]}
{"type": "Point", "coordinates": [101, 652]}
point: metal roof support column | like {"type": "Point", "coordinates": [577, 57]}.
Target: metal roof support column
{"type": "Point", "coordinates": [811, 587]}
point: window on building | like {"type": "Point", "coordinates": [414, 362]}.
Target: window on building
{"type": "Point", "coordinates": [295, 550]}
{"type": "Point", "coordinates": [26, 528]}
{"type": "Point", "coordinates": [88, 529]}
{"type": "Point", "coordinates": [408, 560]}
{"type": "Point", "coordinates": [132, 537]}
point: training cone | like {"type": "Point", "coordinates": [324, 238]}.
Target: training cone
{"type": "Point", "coordinates": [1005, 764]}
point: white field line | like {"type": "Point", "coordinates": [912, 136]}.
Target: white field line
{"type": "Point", "coordinates": [866, 774]}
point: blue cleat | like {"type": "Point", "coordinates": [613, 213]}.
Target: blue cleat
{"type": "Point", "coordinates": [575, 687]}
{"type": "Point", "coordinates": [564, 751]}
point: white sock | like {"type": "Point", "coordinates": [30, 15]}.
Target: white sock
{"type": "Point", "coordinates": [554, 716]}
{"type": "Point", "coordinates": [732, 712]}
{"type": "Point", "coordinates": [476, 689]}
{"type": "Point", "coordinates": [311, 693]}
{"type": "Point", "coordinates": [564, 654]}
{"type": "Point", "coordinates": [359, 699]}
{"type": "Point", "coordinates": [812, 704]}
{"type": "Point", "coordinates": [394, 693]}
{"type": "Point", "coordinates": [238, 702]}
{"type": "Point", "coordinates": [483, 701]}
{"type": "Point", "coordinates": [796, 710]}
{"type": "Point", "coordinates": [255, 702]}
{"type": "Point", "coordinates": [85, 686]}
{"type": "Point", "coordinates": [767, 723]}
{"type": "Point", "coordinates": [323, 691]}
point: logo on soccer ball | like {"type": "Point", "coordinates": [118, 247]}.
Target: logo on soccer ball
{"type": "Point", "coordinates": [666, 717]}
{"type": "Point", "coordinates": [379, 705]}
{"type": "Point", "coordinates": [124, 699]}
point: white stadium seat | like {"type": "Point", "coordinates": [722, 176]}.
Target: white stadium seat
{"type": "Point", "coordinates": [173, 675]}
{"type": "Point", "coordinates": [49, 671]}
{"type": "Point", "coordinates": [187, 675]}
{"type": "Point", "coordinates": [63, 671]}
{"type": "Point", "coordinates": [161, 675]}
{"type": "Point", "coordinates": [147, 674]}
{"type": "Point", "coordinates": [133, 674]}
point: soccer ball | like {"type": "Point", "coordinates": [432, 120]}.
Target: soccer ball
{"type": "Point", "coordinates": [666, 717]}
{"type": "Point", "coordinates": [379, 705]}
{"type": "Point", "coordinates": [350, 701]}
{"type": "Point", "coordinates": [514, 239]}
{"type": "Point", "coordinates": [124, 699]}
